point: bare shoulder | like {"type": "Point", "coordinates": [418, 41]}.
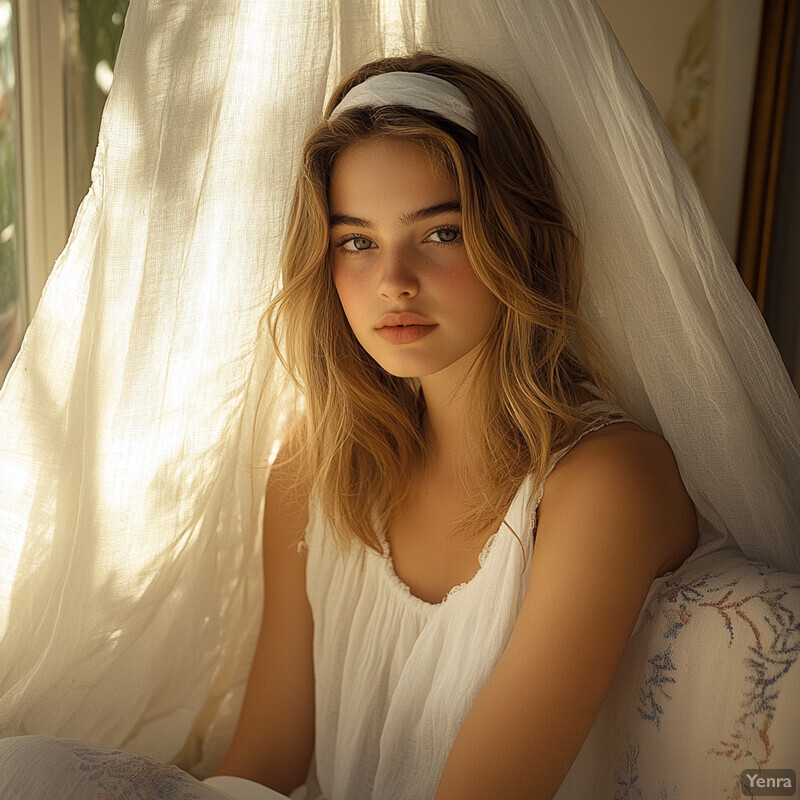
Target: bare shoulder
{"type": "Point", "coordinates": [617, 447]}
{"type": "Point", "coordinates": [613, 446]}
{"type": "Point", "coordinates": [629, 467]}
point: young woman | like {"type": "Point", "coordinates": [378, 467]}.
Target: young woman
{"type": "Point", "coordinates": [457, 411]}
{"type": "Point", "coordinates": [463, 525]}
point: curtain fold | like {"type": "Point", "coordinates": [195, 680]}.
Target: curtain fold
{"type": "Point", "coordinates": [131, 578]}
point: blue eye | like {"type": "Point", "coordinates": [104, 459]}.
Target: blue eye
{"type": "Point", "coordinates": [355, 240]}
{"type": "Point", "coordinates": [452, 234]}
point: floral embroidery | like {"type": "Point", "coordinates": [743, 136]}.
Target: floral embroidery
{"type": "Point", "coordinates": [626, 773]}
{"type": "Point", "coordinates": [655, 684]}
{"type": "Point", "coordinates": [772, 628]}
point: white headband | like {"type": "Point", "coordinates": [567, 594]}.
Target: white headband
{"type": "Point", "coordinates": [414, 89]}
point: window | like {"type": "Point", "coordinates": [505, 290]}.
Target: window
{"type": "Point", "coordinates": [93, 29]}
{"type": "Point", "coordinates": [11, 286]}
{"type": "Point", "coordinates": [56, 67]}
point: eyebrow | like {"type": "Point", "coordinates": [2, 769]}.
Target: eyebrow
{"type": "Point", "coordinates": [405, 219]}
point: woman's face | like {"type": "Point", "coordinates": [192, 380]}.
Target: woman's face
{"type": "Point", "coordinates": [399, 264]}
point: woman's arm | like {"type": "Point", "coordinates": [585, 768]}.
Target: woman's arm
{"type": "Point", "coordinates": [274, 737]}
{"type": "Point", "coordinates": [609, 522]}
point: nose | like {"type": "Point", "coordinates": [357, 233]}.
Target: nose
{"type": "Point", "coordinates": [398, 276]}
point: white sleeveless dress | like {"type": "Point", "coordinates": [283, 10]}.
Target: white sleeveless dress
{"type": "Point", "coordinates": [395, 675]}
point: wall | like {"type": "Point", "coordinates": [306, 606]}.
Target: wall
{"type": "Point", "coordinates": [697, 58]}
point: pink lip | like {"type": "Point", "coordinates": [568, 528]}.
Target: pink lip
{"type": "Point", "coordinates": [394, 318]}
{"type": "Point", "coordinates": [404, 334]}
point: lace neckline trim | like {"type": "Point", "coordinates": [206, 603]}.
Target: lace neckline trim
{"type": "Point", "coordinates": [405, 590]}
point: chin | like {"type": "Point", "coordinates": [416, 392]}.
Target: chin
{"type": "Point", "coordinates": [402, 368]}
{"type": "Point", "coordinates": [399, 372]}
{"type": "Point", "coordinates": [412, 364]}
{"type": "Point", "coordinates": [411, 371]}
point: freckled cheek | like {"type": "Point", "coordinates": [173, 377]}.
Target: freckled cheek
{"type": "Point", "coordinates": [466, 291]}
{"type": "Point", "coordinates": [352, 290]}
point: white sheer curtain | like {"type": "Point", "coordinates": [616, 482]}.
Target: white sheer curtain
{"type": "Point", "coordinates": [130, 579]}
{"type": "Point", "coordinates": [130, 587]}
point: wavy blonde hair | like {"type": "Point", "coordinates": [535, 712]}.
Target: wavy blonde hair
{"type": "Point", "coordinates": [361, 432]}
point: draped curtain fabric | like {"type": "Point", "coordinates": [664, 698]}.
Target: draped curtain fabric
{"type": "Point", "coordinates": [130, 565]}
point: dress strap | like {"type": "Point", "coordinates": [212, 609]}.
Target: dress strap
{"type": "Point", "coordinates": [613, 414]}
